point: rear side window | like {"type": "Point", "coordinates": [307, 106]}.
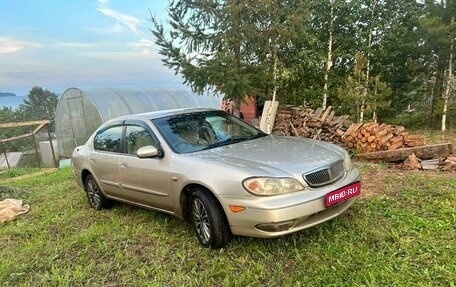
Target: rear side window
{"type": "Point", "coordinates": [108, 140]}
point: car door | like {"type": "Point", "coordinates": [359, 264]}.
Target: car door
{"type": "Point", "coordinates": [104, 160]}
{"type": "Point", "coordinates": [144, 180]}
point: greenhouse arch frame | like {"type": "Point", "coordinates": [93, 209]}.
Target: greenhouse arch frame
{"type": "Point", "coordinates": [81, 111]}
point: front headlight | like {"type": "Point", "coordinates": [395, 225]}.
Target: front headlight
{"type": "Point", "coordinates": [347, 161]}
{"type": "Point", "coordinates": [267, 186]}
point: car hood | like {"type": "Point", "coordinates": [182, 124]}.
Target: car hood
{"type": "Point", "coordinates": [275, 154]}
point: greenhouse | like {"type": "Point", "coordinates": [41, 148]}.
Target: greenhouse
{"type": "Point", "coordinates": [80, 111]}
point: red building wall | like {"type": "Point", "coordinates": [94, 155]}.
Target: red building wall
{"type": "Point", "coordinates": [249, 109]}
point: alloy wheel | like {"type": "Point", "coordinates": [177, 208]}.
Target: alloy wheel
{"type": "Point", "coordinates": [93, 193]}
{"type": "Point", "coordinates": [201, 220]}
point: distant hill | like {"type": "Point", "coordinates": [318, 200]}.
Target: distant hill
{"type": "Point", "coordinates": [2, 94]}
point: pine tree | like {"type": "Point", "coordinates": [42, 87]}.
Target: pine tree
{"type": "Point", "coordinates": [234, 47]}
{"type": "Point", "coordinates": [40, 104]}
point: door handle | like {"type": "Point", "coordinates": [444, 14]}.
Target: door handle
{"type": "Point", "coordinates": [92, 160]}
{"type": "Point", "coordinates": [124, 165]}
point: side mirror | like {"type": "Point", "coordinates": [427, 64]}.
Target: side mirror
{"type": "Point", "coordinates": [147, 152]}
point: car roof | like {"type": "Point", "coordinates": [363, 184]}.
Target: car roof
{"type": "Point", "coordinates": [159, 114]}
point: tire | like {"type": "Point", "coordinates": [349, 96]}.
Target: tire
{"type": "Point", "coordinates": [210, 224]}
{"type": "Point", "coordinates": [96, 198]}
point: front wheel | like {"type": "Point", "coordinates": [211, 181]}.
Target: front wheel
{"type": "Point", "coordinates": [96, 198]}
{"type": "Point", "coordinates": [209, 220]}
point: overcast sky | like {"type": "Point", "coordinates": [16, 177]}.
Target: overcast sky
{"type": "Point", "coordinates": [57, 44]}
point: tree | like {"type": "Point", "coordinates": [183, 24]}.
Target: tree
{"type": "Point", "coordinates": [329, 60]}
{"type": "Point", "coordinates": [379, 97]}
{"type": "Point", "coordinates": [352, 93]}
{"type": "Point", "coordinates": [40, 104]}
{"type": "Point", "coordinates": [398, 52]}
{"type": "Point", "coordinates": [231, 46]}
{"type": "Point", "coordinates": [7, 115]}
{"type": "Point", "coordinates": [440, 27]}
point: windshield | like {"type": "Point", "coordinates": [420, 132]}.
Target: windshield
{"type": "Point", "coordinates": [198, 131]}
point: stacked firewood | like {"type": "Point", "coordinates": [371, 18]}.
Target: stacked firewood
{"type": "Point", "coordinates": [372, 136]}
{"type": "Point", "coordinates": [325, 125]}
{"type": "Point", "coordinates": [305, 122]}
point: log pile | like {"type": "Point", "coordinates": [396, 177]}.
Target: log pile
{"type": "Point", "coordinates": [325, 125]}
{"type": "Point", "coordinates": [370, 137]}
{"type": "Point", "coordinates": [316, 124]}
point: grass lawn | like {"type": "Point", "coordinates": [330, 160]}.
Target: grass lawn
{"type": "Point", "coordinates": [402, 232]}
{"type": "Point", "coordinates": [15, 172]}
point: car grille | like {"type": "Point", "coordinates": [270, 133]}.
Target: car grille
{"type": "Point", "coordinates": [326, 175]}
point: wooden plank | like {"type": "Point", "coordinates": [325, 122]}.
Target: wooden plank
{"type": "Point", "coordinates": [39, 128]}
{"type": "Point", "coordinates": [16, 138]}
{"type": "Point", "coordinates": [423, 152]}
{"type": "Point", "coordinates": [430, 164]}
{"type": "Point", "coordinates": [23, 124]}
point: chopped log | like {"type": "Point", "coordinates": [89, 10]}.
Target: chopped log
{"type": "Point", "coordinates": [381, 133]}
{"type": "Point", "coordinates": [326, 114]}
{"type": "Point", "coordinates": [381, 127]}
{"type": "Point", "coordinates": [372, 126]}
{"type": "Point", "coordinates": [340, 132]}
{"type": "Point", "coordinates": [449, 163]}
{"type": "Point", "coordinates": [396, 139]}
{"type": "Point", "coordinates": [331, 116]}
{"type": "Point", "coordinates": [294, 130]}
{"type": "Point", "coordinates": [318, 113]}
{"type": "Point", "coordinates": [423, 152]}
{"type": "Point", "coordinates": [395, 145]}
{"type": "Point", "coordinates": [411, 163]}
{"type": "Point", "coordinates": [351, 129]}
{"type": "Point", "coordinates": [385, 139]}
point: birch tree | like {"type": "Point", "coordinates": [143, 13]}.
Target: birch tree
{"type": "Point", "coordinates": [449, 79]}
{"type": "Point", "coordinates": [329, 60]}
{"type": "Point", "coordinates": [440, 27]}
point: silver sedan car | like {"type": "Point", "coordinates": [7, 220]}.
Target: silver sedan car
{"type": "Point", "coordinates": [223, 174]}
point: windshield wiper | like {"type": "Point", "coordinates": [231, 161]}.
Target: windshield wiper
{"type": "Point", "coordinates": [221, 143]}
{"type": "Point", "coordinates": [233, 140]}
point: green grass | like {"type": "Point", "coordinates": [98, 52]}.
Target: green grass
{"type": "Point", "coordinates": [436, 137]}
{"type": "Point", "coordinates": [15, 172]}
{"type": "Point", "coordinates": [404, 237]}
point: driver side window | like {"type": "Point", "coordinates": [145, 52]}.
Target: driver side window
{"type": "Point", "coordinates": [136, 137]}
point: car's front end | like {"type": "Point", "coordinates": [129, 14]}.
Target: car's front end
{"type": "Point", "coordinates": [271, 216]}
{"type": "Point", "coordinates": [273, 186]}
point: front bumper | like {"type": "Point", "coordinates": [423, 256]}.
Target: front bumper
{"type": "Point", "coordinates": [279, 215]}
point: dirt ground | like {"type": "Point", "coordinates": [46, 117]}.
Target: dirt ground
{"type": "Point", "coordinates": [382, 178]}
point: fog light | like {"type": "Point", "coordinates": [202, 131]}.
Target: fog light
{"type": "Point", "coordinates": [276, 226]}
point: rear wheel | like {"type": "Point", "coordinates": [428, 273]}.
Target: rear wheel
{"type": "Point", "coordinates": [96, 198]}
{"type": "Point", "coordinates": [209, 220]}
